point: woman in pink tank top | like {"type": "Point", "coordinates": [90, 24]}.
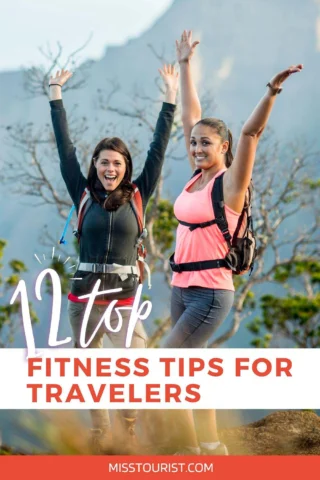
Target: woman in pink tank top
{"type": "Point", "coordinates": [202, 296]}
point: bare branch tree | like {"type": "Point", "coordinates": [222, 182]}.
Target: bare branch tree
{"type": "Point", "coordinates": [36, 79]}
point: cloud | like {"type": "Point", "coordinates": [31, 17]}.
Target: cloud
{"type": "Point", "coordinates": [226, 68]}
{"type": "Point", "coordinates": [318, 33]}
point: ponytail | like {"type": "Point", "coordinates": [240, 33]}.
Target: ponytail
{"type": "Point", "coordinates": [229, 154]}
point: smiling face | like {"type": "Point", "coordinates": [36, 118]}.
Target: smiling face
{"type": "Point", "coordinates": [111, 168]}
{"type": "Point", "coordinates": [207, 147]}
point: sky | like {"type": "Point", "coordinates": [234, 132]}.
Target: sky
{"type": "Point", "coordinates": [26, 25]}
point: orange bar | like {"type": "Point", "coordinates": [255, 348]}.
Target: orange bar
{"type": "Point", "coordinates": [182, 467]}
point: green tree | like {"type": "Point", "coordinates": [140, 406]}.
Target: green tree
{"type": "Point", "coordinates": [9, 314]}
{"type": "Point", "coordinates": [296, 315]}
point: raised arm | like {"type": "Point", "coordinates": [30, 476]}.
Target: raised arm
{"type": "Point", "coordinates": [151, 172]}
{"type": "Point", "coordinates": [191, 108]}
{"type": "Point", "coordinates": [238, 176]}
{"type": "Point", "coordinates": [69, 165]}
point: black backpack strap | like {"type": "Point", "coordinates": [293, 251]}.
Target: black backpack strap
{"type": "Point", "coordinates": [196, 266]}
{"type": "Point", "coordinates": [246, 210]}
{"type": "Point", "coordinates": [239, 225]}
{"type": "Point", "coordinates": [218, 208]}
{"type": "Point", "coordinates": [198, 170]}
{"type": "Point", "coordinates": [194, 226]}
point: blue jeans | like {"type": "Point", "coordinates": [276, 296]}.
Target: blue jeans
{"type": "Point", "coordinates": [196, 313]}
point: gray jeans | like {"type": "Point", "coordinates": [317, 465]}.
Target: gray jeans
{"type": "Point", "coordinates": [100, 418]}
{"type": "Point", "coordinates": [196, 313]}
{"type": "Point", "coordinates": [118, 339]}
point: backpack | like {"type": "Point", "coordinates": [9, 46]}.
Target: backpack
{"type": "Point", "coordinates": [137, 207]}
{"type": "Point", "coordinates": [242, 245]}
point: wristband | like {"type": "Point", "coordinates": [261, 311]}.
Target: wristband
{"type": "Point", "coordinates": [52, 84]}
{"type": "Point", "coordinates": [274, 90]}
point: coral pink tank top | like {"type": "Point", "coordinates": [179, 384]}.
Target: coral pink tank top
{"type": "Point", "coordinates": [202, 243]}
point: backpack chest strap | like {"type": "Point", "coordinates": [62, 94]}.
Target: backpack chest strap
{"type": "Point", "coordinates": [218, 207]}
{"type": "Point", "coordinates": [194, 226]}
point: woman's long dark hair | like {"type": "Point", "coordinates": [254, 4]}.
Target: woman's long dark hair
{"type": "Point", "coordinates": [222, 130]}
{"type": "Point", "coordinates": [124, 191]}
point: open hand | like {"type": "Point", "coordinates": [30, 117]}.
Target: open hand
{"type": "Point", "coordinates": [185, 48]}
{"type": "Point", "coordinates": [170, 77]}
{"type": "Point", "coordinates": [278, 79]}
{"type": "Point", "coordinates": [61, 77]}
